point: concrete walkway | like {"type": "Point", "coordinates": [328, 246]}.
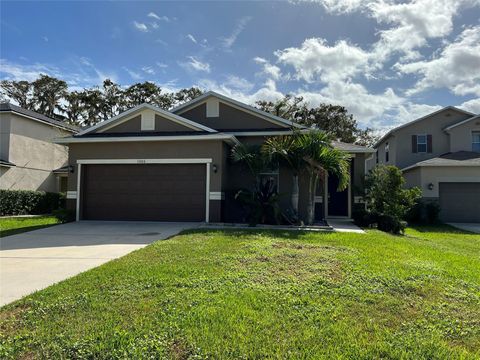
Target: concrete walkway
{"type": "Point", "coordinates": [344, 225]}
{"type": "Point", "coordinates": [472, 227]}
{"type": "Point", "coordinates": [34, 260]}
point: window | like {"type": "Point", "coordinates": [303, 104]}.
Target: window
{"type": "Point", "coordinates": [476, 141]}
{"type": "Point", "coordinates": [270, 175]}
{"type": "Point", "coordinates": [387, 152]}
{"type": "Point", "coordinates": [422, 143]}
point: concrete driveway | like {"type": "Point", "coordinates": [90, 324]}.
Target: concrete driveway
{"type": "Point", "coordinates": [34, 260]}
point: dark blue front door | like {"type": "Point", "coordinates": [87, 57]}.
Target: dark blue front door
{"type": "Point", "coordinates": [337, 200]}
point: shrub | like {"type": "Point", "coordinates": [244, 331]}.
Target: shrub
{"type": "Point", "coordinates": [424, 212]}
{"type": "Point", "coordinates": [432, 212]}
{"type": "Point", "coordinates": [64, 215]}
{"type": "Point", "coordinates": [26, 202]}
{"type": "Point", "coordinates": [363, 218]}
{"type": "Point", "coordinates": [387, 199]}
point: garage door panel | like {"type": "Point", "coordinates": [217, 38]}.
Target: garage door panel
{"type": "Point", "coordinates": [153, 192]}
{"type": "Point", "coordinates": [459, 202]}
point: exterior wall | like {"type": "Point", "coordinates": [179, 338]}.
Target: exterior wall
{"type": "Point", "coordinates": [35, 156]}
{"type": "Point", "coordinates": [5, 135]}
{"type": "Point", "coordinates": [461, 136]}
{"type": "Point", "coordinates": [229, 118]}
{"type": "Point", "coordinates": [134, 125]}
{"type": "Point", "coordinates": [426, 175]}
{"type": "Point", "coordinates": [153, 150]}
{"type": "Point", "coordinates": [400, 142]}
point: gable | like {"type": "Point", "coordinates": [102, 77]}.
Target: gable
{"type": "Point", "coordinates": [228, 117]}
{"type": "Point", "coordinates": [134, 125]}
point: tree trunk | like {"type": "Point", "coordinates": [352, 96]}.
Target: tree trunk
{"type": "Point", "coordinates": [295, 193]}
{"type": "Point", "coordinates": [312, 189]}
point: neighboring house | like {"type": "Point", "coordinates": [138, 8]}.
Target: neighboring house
{"type": "Point", "coordinates": [152, 164]}
{"type": "Point", "coordinates": [29, 160]}
{"type": "Point", "coordinates": [439, 153]}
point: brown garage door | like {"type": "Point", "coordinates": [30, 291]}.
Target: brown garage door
{"type": "Point", "coordinates": [153, 192]}
{"type": "Point", "coordinates": [460, 202]}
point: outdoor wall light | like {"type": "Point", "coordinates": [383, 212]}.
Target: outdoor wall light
{"type": "Point", "coordinates": [71, 169]}
{"type": "Point", "coordinates": [430, 186]}
{"type": "Point", "coordinates": [214, 167]}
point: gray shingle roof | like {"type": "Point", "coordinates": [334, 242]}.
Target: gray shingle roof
{"type": "Point", "coordinates": [459, 158]}
{"type": "Point", "coordinates": [7, 107]}
{"type": "Point", "coordinates": [351, 147]}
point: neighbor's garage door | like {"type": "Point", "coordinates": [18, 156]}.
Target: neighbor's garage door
{"type": "Point", "coordinates": [460, 202]}
{"type": "Point", "coordinates": [153, 192]}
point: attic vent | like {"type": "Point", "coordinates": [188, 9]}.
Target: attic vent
{"type": "Point", "coordinates": [148, 120]}
{"type": "Point", "coordinates": [212, 108]}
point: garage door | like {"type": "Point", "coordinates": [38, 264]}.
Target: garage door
{"type": "Point", "coordinates": [153, 192]}
{"type": "Point", "coordinates": [460, 202]}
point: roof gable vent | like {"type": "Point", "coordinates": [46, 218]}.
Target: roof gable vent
{"type": "Point", "coordinates": [148, 120]}
{"type": "Point", "coordinates": [213, 108]}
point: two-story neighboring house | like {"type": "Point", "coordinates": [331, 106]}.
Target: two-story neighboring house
{"type": "Point", "coordinates": [29, 160]}
{"type": "Point", "coordinates": [439, 153]}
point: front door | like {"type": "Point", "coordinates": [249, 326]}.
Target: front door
{"type": "Point", "coordinates": [337, 200]}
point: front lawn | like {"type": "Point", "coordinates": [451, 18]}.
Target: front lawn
{"type": "Point", "coordinates": [17, 225]}
{"type": "Point", "coordinates": [259, 294]}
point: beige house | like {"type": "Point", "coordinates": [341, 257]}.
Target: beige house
{"type": "Point", "coordinates": [439, 153]}
{"type": "Point", "coordinates": [152, 164]}
{"type": "Point", "coordinates": [29, 160]}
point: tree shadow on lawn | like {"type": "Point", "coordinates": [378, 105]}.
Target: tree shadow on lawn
{"type": "Point", "coordinates": [9, 232]}
{"type": "Point", "coordinates": [440, 229]}
{"type": "Point", "coordinates": [282, 234]}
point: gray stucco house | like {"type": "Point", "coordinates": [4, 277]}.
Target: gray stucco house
{"type": "Point", "coordinates": [29, 160]}
{"type": "Point", "coordinates": [152, 164]}
{"type": "Point", "coordinates": [439, 153]}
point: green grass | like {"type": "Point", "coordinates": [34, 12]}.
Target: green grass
{"type": "Point", "coordinates": [17, 225]}
{"type": "Point", "coordinates": [259, 294]}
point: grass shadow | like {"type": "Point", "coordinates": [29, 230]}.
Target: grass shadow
{"type": "Point", "coordinates": [439, 228]}
{"type": "Point", "coordinates": [10, 232]}
{"type": "Point", "coordinates": [283, 234]}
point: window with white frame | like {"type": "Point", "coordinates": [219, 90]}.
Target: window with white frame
{"type": "Point", "coordinates": [476, 141]}
{"type": "Point", "coordinates": [422, 143]}
{"type": "Point", "coordinates": [270, 175]}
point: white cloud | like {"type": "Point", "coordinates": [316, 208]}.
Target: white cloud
{"type": "Point", "coordinates": [315, 59]}
{"type": "Point", "coordinates": [160, 18]}
{"type": "Point", "coordinates": [148, 70]}
{"type": "Point", "coordinates": [194, 64]}
{"type": "Point", "coordinates": [18, 72]}
{"type": "Point", "coordinates": [161, 65]}
{"type": "Point", "coordinates": [269, 70]}
{"type": "Point", "coordinates": [238, 83]}
{"type": "Point", "coordinates": [192, 38]}
{"type": "Point", "coordinates": [140, 26]}
{"type": "Point", "coordinates": [457, 67]}
{"type": "Point", "coordinates": [471, 105]}
{"type": "Point", "coordinates": [241, 24]}
{"type": "Point", "coordinates": [133, 74]}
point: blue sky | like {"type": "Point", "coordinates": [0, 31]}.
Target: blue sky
{"type": "Point", "coordinates": [387, 62]}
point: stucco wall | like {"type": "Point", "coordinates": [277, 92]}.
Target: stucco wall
{"type": "Point", "coordinates": [400, 143]}
{"type": "Point", "coordinates": [4, 135]}
{"type": "Point", "coordinates": [423, 176]}
{"type": "Point", "coordinates": [461, 136]}
{"type": "Point", "coordinates": [134, 125]}
{"type": "Point", "coordinates": [229, 118]}
{"type": "Point", "coordinates": [35, 156]}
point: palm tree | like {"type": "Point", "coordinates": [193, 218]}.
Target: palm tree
{"type": "Point", "coordinates": [251, 156]}
{"type": "Point", "coordinates": [312, 153]}
{"type": "Point", "coordinates": [285, 149]}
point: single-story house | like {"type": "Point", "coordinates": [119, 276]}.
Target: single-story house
{"type": "Point", "coordinates": [156, 165]}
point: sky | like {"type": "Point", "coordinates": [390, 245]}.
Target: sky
{"type": "Point", "coordinates": [386, 61]}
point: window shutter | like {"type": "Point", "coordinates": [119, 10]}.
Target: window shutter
{"type": "Point", "coordinates": [429, 143]}
{"type": "Point", "coordinates": [414, 143]}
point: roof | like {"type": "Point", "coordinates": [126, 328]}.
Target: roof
{"type": "Point", "coordinates": [462, 122]}
{"type": "Point", "coordinates": [264, 114]}
{"type": "Point", "coordinates": [8, 107]}
{"type": "Point", "coordinates": [420, 119]}
{"type": "Point", "coordinates": [63, 170]}
{"type": "Point", "coordinates": [6, 163]}
{"type": "Point", "coordinates": [459, 158]}
{"type": "Point", "coordinates": [164, 113]}
{"type": "Point", "coordinates": [352, 148]}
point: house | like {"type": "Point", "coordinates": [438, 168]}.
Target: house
{"type": "Point", "coordinates": [439, 153]}
{"type": "Point", "coordinates": [29, 160]}
{"type": "Point", "coordinates": [152, 164]}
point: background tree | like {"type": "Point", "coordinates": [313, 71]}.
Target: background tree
{"type": "Point", "coordinates": [333, 119]}
{"type": "Point", "coordinates": [184, 95]}
{"type": "Point", "coordinates": [47, 93]}
{"type": "Point", "coordinates": [19, 91]}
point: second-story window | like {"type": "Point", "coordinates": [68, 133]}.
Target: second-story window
{"type": "Point", "coordinates": [422, 143]}
{"type": "Point", "coordinates": [476, 141]}
{"type": "Point", "coordinates": [387, 152]}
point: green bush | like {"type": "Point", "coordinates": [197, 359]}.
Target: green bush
{"type": "Point", "coordinates": [26, 202]}
{"type": "Point", "coordinates": [64, 215]}
{"type": "Point", "coordinates": [387, 199]}
{"type": "Point", "coordinates": [424, 212]}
